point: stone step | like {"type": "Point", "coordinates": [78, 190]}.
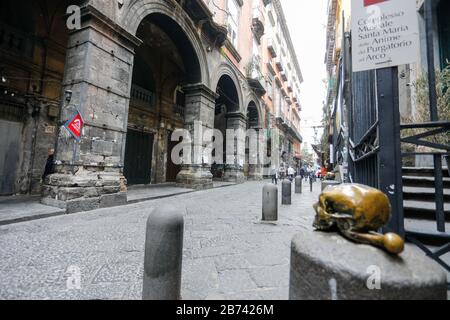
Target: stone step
{"type": "Point", "coordinates": [418, 181]}
{"type": "Point", "coordinates": [15, 209]}
{"type": "Point", "coordinates": [423, 172]}
{"type": "Point", "coordinates": [423, 210]}
{"type": "Point", "coordinates": [426, 232]}
{"type": "Point", "coordinates": [423, 194]}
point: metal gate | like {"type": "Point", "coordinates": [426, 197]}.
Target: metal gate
{"type": "Point", "coordinates": [367, 135]}
{"type": "Point", "coordinates": [138, 157]}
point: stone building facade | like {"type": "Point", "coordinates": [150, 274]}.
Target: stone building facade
{"type": "Point", "coordinates": [136, 70]}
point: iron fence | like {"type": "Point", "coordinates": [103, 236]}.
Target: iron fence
{"type": "Point", "coordinates": [367, 136]}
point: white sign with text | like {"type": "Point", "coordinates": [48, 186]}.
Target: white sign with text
{"type": "Point", "coordinates": [385, 33]}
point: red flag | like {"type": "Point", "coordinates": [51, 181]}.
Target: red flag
{"type": "Point", "coordinates": [372, 2]}
{"type": "Point", "coordinates": [75, 126]}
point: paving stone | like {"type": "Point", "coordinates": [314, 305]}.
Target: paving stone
{"type": "Point", "coordinates": [228, 254]}
{"type": "Point", "coordinates": [234, 281]}
{"type": "Point", "coordinates": [271, 277]}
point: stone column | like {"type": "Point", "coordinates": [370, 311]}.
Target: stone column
{"type": "Point", "coordinates": [256, 169]}
{"type": "Point", "coordinates": [199, 116]}
{"type": "Point", "coordinates": [98, 71]}
{"type": "Point", "coordinates": [234, 167]}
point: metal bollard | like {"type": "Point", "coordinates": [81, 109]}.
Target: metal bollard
{"type": "Point", "coordinates": [311, 184]}
{"type": "Point", "coordinates": [270, 203]}
{"type": "Point", "coordinates": [286, 192]}
{"type": "Point", "coordinates": [163, 255]}
{"type": "Point", "coordinates": [298, 184]}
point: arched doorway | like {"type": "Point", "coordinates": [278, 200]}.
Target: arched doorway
{"type": "Point", "coordinates": [33, 45]}
{"type": "Point", "coordinates": [252, 142]}
{"type": "Point", "coordinates": [164, 64]}
{"type": "Point", "coordinates": [228, 116]}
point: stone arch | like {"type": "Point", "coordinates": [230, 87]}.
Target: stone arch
{"type": "Point", "coordinates": [138, 10]}
{"type": "Point", "coordinates": [251, 98]}
{"type": "Point", "coordinates": [226, 70]}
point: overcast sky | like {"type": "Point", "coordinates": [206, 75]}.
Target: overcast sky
{"type": "Point", "coordinates": [307, 24]}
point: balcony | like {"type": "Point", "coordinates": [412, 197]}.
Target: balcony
{"type": "Point", "coordinates": [258, 24]}
{"type": "Point", "coordinates": [290, 88]}
{"type": "Point", "coordinates": [279, 63]}
{"type": "Point", "coordinates": [273, 49]}
{"type": "Point", "coordinates": [255, 77]}
{"type": "Point", "coordinates": [178, 110]}
{"type": "Point", "coordinates": [278, 82]}
{"type": "Point", "coordinates": [284, 76]}
{"type": "Point", "coordinates": [295, 133]}
{"type": "Point", "coordinates": [141, 97]}
{"type": "Point", "coordinates": [289, 101]}
{"type": "Point", "coordinates": [270, 68]}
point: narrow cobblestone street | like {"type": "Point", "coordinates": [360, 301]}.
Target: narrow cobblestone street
{"type": "Point", "coordinates": [228, 253]}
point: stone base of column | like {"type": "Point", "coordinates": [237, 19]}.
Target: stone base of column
{"type": "Point", "coordinates": [85, 190]}
{"type": "Point", "coordinates": [255, 173]}
{"type": "Point", "coordinates": [234, 175]}
{"type": "Point", "coordinates": [195, 177]}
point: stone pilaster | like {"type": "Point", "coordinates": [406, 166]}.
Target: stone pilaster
{"type": "Point", "coordinates": [98, 71]}
{"type": "Point", "coordinates": [234, 169]}
{"type": "Point", "coordinates": [199, 116]}
{"type": "Point", "coordinates": [255, 167]}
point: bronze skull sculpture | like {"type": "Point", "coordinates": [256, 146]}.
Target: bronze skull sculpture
{"type": "Point", "coordinates": [357, 211]}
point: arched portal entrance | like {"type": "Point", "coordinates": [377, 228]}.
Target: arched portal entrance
{"type": "Point", "coordinates": [164, 64]}
{"type": "Point", "coordinates": [228, 116]}
{"type": "Point", "coordinates": [33, 46]}
{"type": "Point", "coordinates": [253, 167]}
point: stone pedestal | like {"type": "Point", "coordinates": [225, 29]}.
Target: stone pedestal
{"type": "Point", "coordinates": [234, 173]}
{"type": "Point", "coordinates": [326, 266]}
{"type": "Point", "coordinates": [200, 106]}
{"type": "Point", "coordinates": [255, 172]}
{"type": "Point", "coordinates": [196, 177]}
{"type": "Point", "coordinates": [98, 71]}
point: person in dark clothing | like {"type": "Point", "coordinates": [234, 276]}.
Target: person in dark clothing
{"type": "Point", "coordinates": [50, 164]}
{"type": "Point", "coordinates": [302, 173]}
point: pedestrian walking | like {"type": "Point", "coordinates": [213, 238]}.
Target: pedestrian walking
{"type": "Point", "coordinates": [274, 175]}
{"type": "Point", "coordinates": [291, 173]}
{"type": "Point", "coordinates": [302, 172]}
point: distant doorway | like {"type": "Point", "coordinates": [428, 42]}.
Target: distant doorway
{"type": "Point", "coordinates": [10, 133]}
{"type": "Point", "coordinates": [138, 157]}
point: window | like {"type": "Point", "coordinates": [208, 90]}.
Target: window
{"type": "Point", "coordinates": [233, 21]}
{"type": "Point", "coordinates": [270, 89]}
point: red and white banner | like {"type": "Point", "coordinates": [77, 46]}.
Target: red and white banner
{"type": "Point", "coordinates": [385, 33]}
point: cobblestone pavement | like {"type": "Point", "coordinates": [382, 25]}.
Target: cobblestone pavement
{"type": "Point", "coordinates": [228, 253]}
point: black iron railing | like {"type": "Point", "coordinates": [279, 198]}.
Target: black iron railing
{"type": "Point", "coordinates": [367, 104]}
